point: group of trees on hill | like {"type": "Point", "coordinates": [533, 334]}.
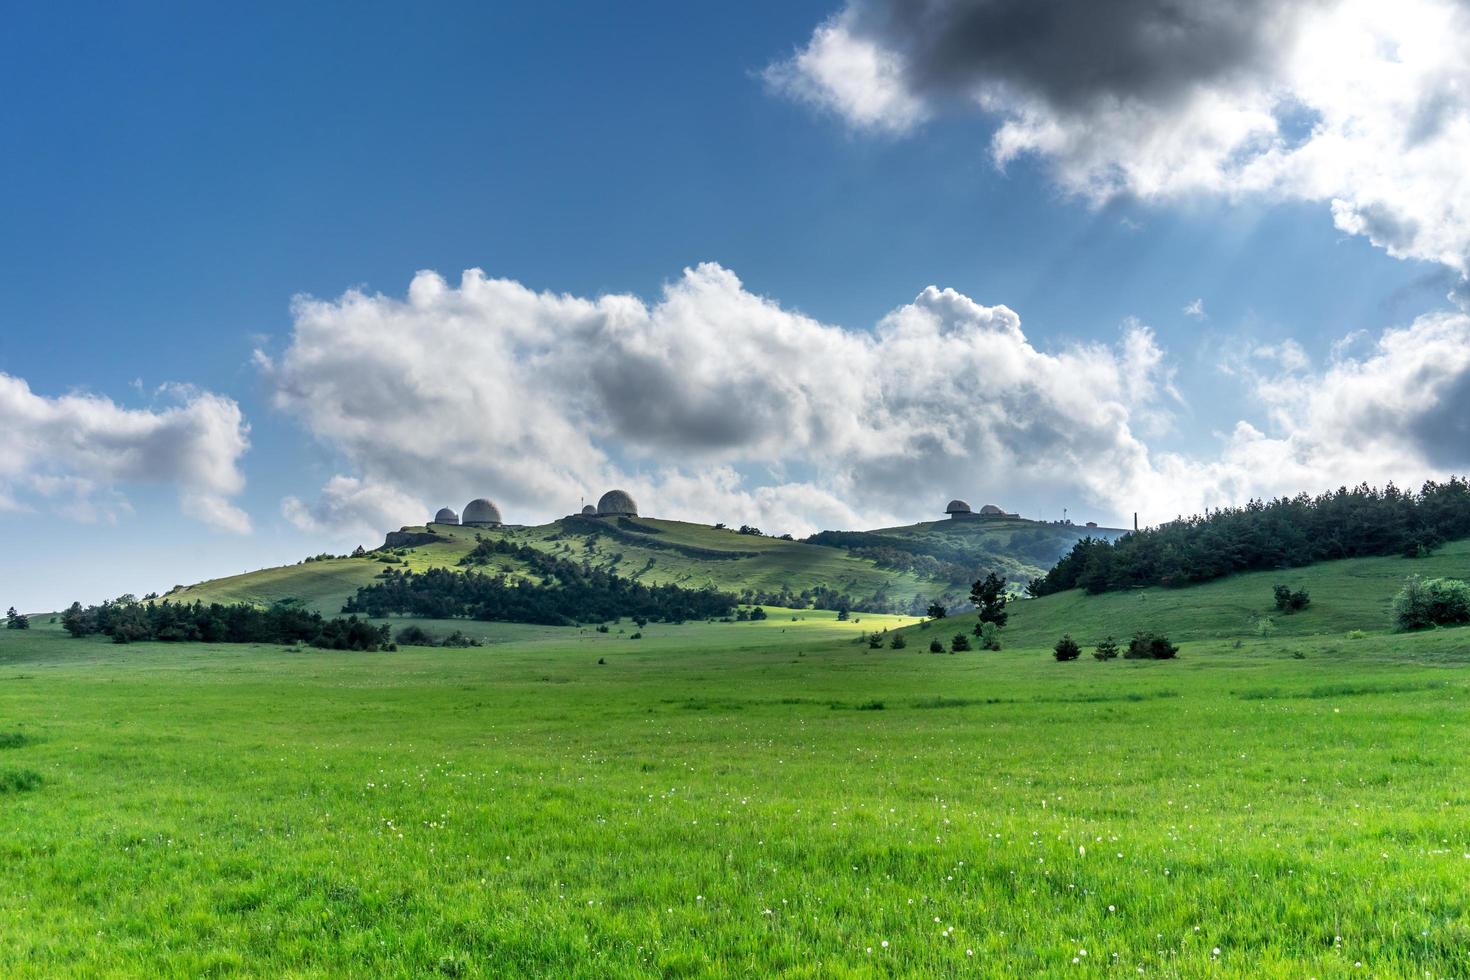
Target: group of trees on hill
{"type": "Point", "coordinates": [16, 620]}
{"type": "Point", "coordinates": [557, 592]}
{"type": "Point", "coordinates": [1282, 533]}
{"type": "Point", "coordinates": [126, 620]}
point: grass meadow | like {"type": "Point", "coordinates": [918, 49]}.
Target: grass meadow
{"type": "Point", "coordinates": [760, 799]}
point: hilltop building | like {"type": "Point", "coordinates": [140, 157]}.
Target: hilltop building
{"type": "Point", "coordinates": [589, 511]}
{"type": "Point", "coordinates": [446, 515]}
{"type": "Point", "coordinates": [617, 503]}
{"type": "Point", "coordinates": [481, 513]}
{"type": "Point", "coordinates": [958, 510]}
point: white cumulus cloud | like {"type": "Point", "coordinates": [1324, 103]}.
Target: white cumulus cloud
{"type": "Point", "coordinates": [76, 453]}
{"type": "Point", "coordinates": [716, 404]}
{"type": "Point", "coordinates": [712, 403]}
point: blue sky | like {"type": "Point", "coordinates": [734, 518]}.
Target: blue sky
{"type": "Point", "coordinates": [175, 174]}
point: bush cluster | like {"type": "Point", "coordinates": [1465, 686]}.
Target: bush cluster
{"type": "Point", "coordinates": [1143, 646]}
{"type": "Point", "coordinates": [1432, 602]}
{"type": "Point", "coordinates": [1288, 601]}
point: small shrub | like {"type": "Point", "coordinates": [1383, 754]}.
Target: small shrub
{"type": "Point", "coordinates": [458, 639]}
{"type": "Point", "coordinates": [1067, 648]}
{"type": "Point", "coordinates": [875, 641]}
{"type": "Point", "coordinates": [959, 644]}
{"type": "Point", "coordinates": [1265, 628]}
{"type": "Point", "coordinates": [871, 706]}
{"type": "Point", "coordinates": [756, 613]}
{"type": "Point", "coordinates": [1356, 634]}
{"type": "Point", "coordinates": [989, 635]}
{"type": "Point", "coordinates": [936, 645]}
{"type": "Point", "coordinates": [898, 642]}
{"type": "Point", "coordinates": [1431, 602]}
{"type": "Point", "coordinates": [1150, 646]}
{"type": "Point", "coordinates": [602, 627]}
{"type": "Point", "coordinates": [637, 636]}
{"type": "Point", "coordinates": [19, 780]}
{"type": "Point", "coordinates": [414, 636]}
{"type": "Point", "coordinates": [1106, 650]}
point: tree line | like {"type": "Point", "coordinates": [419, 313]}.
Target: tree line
{"type": "Point", "coordinates": [126, 620]}
{"type": "Point", "coordinates": [566, 593]}
{"type": "Point", "coordinates": [1282, 533]}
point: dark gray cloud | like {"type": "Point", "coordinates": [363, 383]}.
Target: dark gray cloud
{"type": "Point", "coordinates": [1075, 53]}
{"type": "Point", "coordinates": [1361, 106]}
{"type": "Point", "coordinates": [1443, 432]}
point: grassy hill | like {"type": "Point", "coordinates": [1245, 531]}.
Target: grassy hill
{"type": "Point", "coordinates": [1353, 594]}
{"type": "Point", "coordinates": [895, 569]}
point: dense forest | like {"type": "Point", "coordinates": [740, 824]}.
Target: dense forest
{"type": "Point", "coordinates": [1282, 533]}
{"type": "Point", "coordinates": [567, 592]}
{"type": "Point", "coordinates": [126, 620]}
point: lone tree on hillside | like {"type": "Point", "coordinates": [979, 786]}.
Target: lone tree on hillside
{"type": "Point", "coordinates": [898, 642]}
{"type": "Point", "coordinates": [960, 643]}
{"type": "Point", "coordinates": [989, 596]}
{"type": "Point", "coordinates": [1106, 650]}
{"type": "Point", "coordinates": [937, 611]}
{"type": "Point", "coordinates": [1067, 648]}
{"type": "Point", "coordinates": [16, 621]}
{"type": "Point", "coordinates": [936, 645]}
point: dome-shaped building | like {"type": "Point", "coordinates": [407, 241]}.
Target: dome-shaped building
{"type": "Point", "coordinates": [617, 503]}
{"type": "Point", "coordinates": [957, 509]}
{"type": "Point", "coordinates": [481, 513]}
{"type": "Point", "coordinates": [446, 515]}
{"type": "Point", "coordinates": [589, 511]}
{"type": "Point", "coordinates": [990, 510]}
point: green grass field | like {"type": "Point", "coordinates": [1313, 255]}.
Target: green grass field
{"type": "Point", "coordinates": [760, 799]}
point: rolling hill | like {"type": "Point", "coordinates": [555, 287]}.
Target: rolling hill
{"type": "Point", "coordinates": [899, 569]}
{"type": "Point", "coordinates": [1350, 594]}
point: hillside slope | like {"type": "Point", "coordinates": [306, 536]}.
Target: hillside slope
{"type": "Point", "coordinates": [1351, 594]}
{"type": "Point", "coordinates": [899, 569]}
{"type": "Point", "coordinates": [961, 551]}
{"type": "Point", "coordinates": [760, 569]}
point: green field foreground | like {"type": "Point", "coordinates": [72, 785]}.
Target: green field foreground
{"type": "Point", "coordinates": [756, 799]}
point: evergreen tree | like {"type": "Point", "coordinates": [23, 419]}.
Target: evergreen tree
{"type": "Point", "coordinates": [1067, 648]}
{"type": "Point", "coordinates": [989, 596]}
